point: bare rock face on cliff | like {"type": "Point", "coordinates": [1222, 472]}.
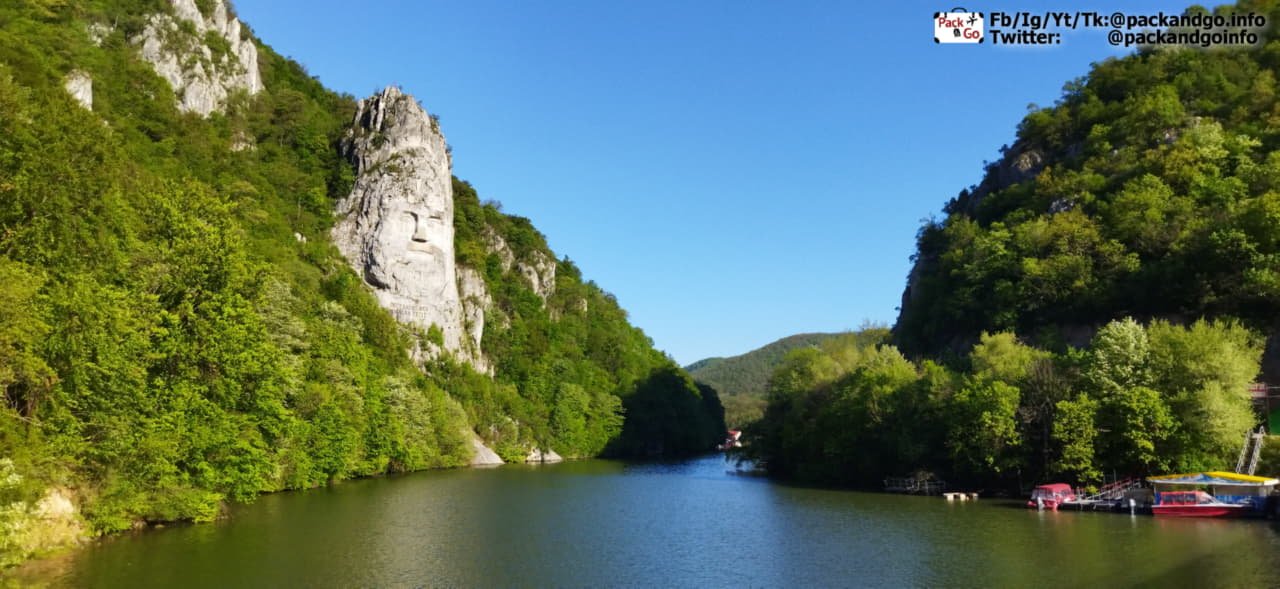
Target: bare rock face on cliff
{"type": "Point", "coordinates": [80, 86]}
{"type": "Point", "coordinates": [538, 271]}
{"type": "Point", "coordinates": [202, 74]}
{"type": "Point", "coordinates": [475, 302]}
{"type": "Point", "coordinates": [396, 226]}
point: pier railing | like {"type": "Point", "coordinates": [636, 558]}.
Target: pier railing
{"type": "Point", "coordinates": [1116, 490]}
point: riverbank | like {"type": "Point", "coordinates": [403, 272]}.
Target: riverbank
{"type": "Point", "coordinates": [48, 527]}
{"type": "Point", "coordinates": [665, 523]}
{"type": "Point", "coordinates": [55, 525]}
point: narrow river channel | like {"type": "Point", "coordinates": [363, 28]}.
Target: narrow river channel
{"type": "Point", "coordinates": [672, 524]}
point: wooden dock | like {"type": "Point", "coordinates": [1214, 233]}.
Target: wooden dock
{"type": "Point", "coordinates": [1090, 505]}
{"type": "Point", "coordinates": [914, 486]}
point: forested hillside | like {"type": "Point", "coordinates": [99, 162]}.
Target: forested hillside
{"type": "Point", "coordinates": [1099, 303]}
{"type": "Point", "coordinates": [177, 330]}
{"type": "Point", "coordinates": [741, 380]}
{"type": "Point", "coordinates": [1150, 189]}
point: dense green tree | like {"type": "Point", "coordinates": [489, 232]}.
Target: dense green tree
{"type": "Point", "coordinates": [984, 431]}
{"type": "Point", "coordinates": [1013, 414]}
{"type": "Point", "coordinates": [25, 379]}
{"type": "Point", "coordinates": [1119, 356]}
{"type": "Point", "coordinates": [1001, 357]}
{"type": "Point", "coordinates": [1134, 419]}
{"type": "Point", "coordinates": [666, 414]}
{"type": "Point", "coordinates": [1075, 431]}
{"type": "Point", "coordinates": [1206, 370]}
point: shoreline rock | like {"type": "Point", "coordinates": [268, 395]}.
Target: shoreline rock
{"type": "Point", "coordinates": [543, 456]}
{"type": "Point", "coordinates": [484, 455]}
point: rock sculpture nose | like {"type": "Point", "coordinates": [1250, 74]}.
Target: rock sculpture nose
{"type": "Point", "coordinates": [419, 229]}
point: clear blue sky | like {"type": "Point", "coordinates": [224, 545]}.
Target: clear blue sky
{"type": "Point", "coordinates": [735, 172]}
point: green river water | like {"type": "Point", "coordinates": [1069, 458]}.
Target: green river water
{"type": "Point", "coordinates": [676, 524]}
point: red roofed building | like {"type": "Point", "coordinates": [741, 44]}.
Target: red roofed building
{"type": "Point", "coordinates": [732, 440]}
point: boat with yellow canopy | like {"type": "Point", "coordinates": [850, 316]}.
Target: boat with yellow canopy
{"type": "Point", "coordinates": [1229, 494]}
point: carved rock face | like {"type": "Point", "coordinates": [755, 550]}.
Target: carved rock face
{"type": "Point", "coordinates": [396, 226]}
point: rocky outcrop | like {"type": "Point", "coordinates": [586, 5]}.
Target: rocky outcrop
{"type": "Point", "coordinates": [484, 456]}
{"type": "Point", "coordinates": [396, 226]}
{"type": "Point", "coordinates": [202, 74]}
{"type": "Point", "coordinates": [1019, 165]}
{"type": "Point", "coordinates": [543, 457]}
{"type": "Point", "coordinates": [80, 86]}
{"type": "Point", "coordinates": [57, 521]}
{"type": "Point", "coordinates": [538, 271]}
{"type": "Point", "coordinates": [242, 141]}
{"type": "Point", "coordinates": [495, 244]}
{"type": "Point", "coordinates": [98, 33]}
{"type": "Point", "coordinates": [540, 274]}
{"type": "Point", "coordinates": [31, 529]}
{"type": "Point", "coordinates": [475, 302]}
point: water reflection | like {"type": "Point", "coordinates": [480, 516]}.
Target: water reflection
{"type": "Point", "coordinates": [690, 523]}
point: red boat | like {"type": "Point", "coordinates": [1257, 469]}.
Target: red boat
{"type": "Point", "coordinates": [1051, 496]}
{"type": "Point", "coordinates": [1230, 494]}
{"type": "Point", "coordinates": [1197, 504]}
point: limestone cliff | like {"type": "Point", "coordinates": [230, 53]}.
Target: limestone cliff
{"type": "Point", "coordinates": [475, 303]}
{"type": "Point", "coordinates": [539, 271]}
{"type": "Point", "coordinates": [396, 229]}
{"type": "Point", "coordinates": [482, 454]}
{"type": "Point", "coordinates": [80, 86]}
{"type": "Point", "coordinates": [396, 226]}
{"type": "Point", "coordinates": [202, 74]}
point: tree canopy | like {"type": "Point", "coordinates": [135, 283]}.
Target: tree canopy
{"type": "Point", "coordinates": [1141, 400]}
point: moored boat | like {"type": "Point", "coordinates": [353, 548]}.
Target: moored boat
{"type": "Point", "coordinates": [1051, 496]}
{"type": "Point", "coordinates": [1231, 494]}
{"type": "Point", "coordinates": [1197, 504]}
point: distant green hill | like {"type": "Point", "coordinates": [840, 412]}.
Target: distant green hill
{"type": "Point", "coordinates": [741, 380]}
